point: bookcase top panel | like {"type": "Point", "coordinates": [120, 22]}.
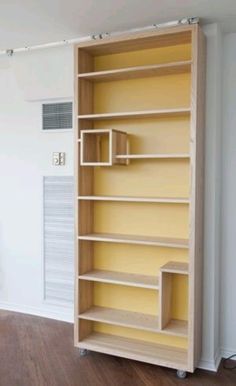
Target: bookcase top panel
{"type": "Point", "coordinates": [138, 41]}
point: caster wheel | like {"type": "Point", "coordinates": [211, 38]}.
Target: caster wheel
{"type": "Point", "coordinates": [181, 374]}
{"type": "Point", "coordinates": [83, 352]}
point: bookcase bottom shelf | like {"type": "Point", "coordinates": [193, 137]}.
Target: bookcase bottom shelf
{"type": "Point", "coordinates": [161, 355]}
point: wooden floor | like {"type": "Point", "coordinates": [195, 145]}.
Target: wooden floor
{"type": "Point", "coordinates": [39, 352]}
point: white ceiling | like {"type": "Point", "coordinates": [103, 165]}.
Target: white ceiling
{"type": "Point", "coordinates": [30, 22]}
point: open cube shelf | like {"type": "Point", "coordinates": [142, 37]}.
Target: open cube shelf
{"type": "Point", "coordinates": [101, 147]}
{"type": "Point", "coordinates": [169, 272]}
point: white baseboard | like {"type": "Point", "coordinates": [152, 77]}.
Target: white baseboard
{"type": "Point", "coordinates": [211, 364]}
{"type": "Point", "coordinates": [64, 314]}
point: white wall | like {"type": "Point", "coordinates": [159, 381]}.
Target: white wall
{"type": "Point", "coordinates": [25, 157]}
{"type": "Point", "coordinates": [228, 252]}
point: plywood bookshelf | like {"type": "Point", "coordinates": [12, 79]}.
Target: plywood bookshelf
{"type": "Point", "coordinates": [139, 113]}
{"type": "Point", "coordinates": [138, 72]}
{"type": "Point", "coordinates": [168, 200]}
{"type": "Point", "coordinates": [128, 279]}
{"type": "Point", "coordinates": [160, 113]}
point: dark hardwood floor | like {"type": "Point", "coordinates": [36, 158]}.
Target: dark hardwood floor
{"type": "Point", "coordinates": [36, 351]}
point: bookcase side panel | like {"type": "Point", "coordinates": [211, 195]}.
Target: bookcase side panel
{"type": "Point", "coordinates": [196, 196]}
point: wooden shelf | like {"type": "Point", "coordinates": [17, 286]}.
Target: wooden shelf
{"type": "Point", "coordinates": [176, 267]}
{"type": "Point", "coordinates": [176, 327]}
{"type": "Point", "coordinates": [121, 318]}
{"type": "Point", "coordinates": [138, 72]}
{"type": "Point", "coordinates": [133, 320]}
{"type": "Point", "coordinates": [154, 156]}
{"type": "Point", "coordinates": [133, 239]}
{"type": "Point", "coordinates": [122, 278]}
{"type": "Point", "coordinates": [161, 355]}
{"type": "Point", "coordinates": [138, 114]}
{"type": "Point", "coordinates": [167, 200]}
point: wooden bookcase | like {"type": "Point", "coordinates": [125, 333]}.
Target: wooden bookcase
{"type": "Point", "coordinates": [139, 112]}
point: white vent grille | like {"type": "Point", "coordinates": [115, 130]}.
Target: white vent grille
{"type": "Point", "coordinates": [59, 240]}
{"type": "Point", "coordinates": [57, 116]}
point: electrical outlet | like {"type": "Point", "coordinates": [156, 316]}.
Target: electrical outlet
{"type": "Point", "coordinates": [58, 158]}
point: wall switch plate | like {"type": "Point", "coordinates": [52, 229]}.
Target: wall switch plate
{"type": "Point", "coordinates": [58, 158]}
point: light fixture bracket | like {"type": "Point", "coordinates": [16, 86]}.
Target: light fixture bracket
{"type": "Point", "coordinates": [175, 23]}
{"type": "Point", "coordinates": [100, 36]}
{"type": "Point", "coordinates": [10, 52]}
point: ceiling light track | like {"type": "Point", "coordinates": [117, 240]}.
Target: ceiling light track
{"type": "Point", "coordinates": [185, 21]}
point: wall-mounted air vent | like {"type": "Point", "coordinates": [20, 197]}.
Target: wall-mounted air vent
{"type": "Point", "coordinates": [57, 116]}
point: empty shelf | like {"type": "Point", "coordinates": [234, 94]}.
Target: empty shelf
{"type": "Point", "coordinates": [132, 239]}
{"type": "Point", "coordinates": [161, 355]}
{"type": "Point", "coordinates": [175, 267]}
{"type": "Point", "coordinates": [168, 200]}
{"type": "Point", "coordinates": [153, 156]}
{"type": "Point", "coordinates": [133, 320]}
{"type": "Point", "coordinates": [138, 72]}
{"type": "Point", "coordinates": [123, 278]}
{"type": "Point", "coordinates": [121, 318]}
{"type": "Point", "coordinates": [176, 327]}
{"type": "Point", "coordinates": [137, 114]}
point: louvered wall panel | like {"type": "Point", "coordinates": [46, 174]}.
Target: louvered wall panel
{"type": "Point", "coordinates": [59, 239]}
